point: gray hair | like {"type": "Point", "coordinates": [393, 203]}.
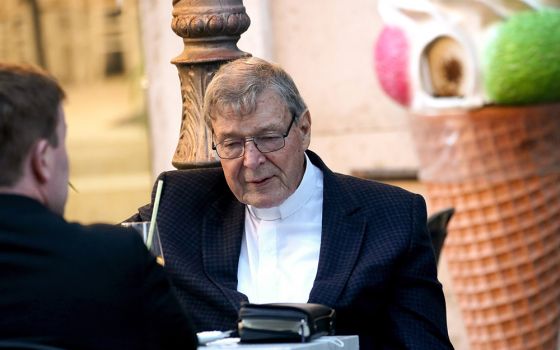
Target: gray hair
{"type": "Point", "coordinates": [239, 83]}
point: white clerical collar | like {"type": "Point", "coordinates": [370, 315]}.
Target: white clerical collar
{"type": "Point", "coordinates": [294, 202]}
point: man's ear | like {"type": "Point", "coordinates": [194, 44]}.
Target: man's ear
{"type": "Point", "coordinates": [304, 125]}
{"type": "Point", "coordinates": [41, 160]}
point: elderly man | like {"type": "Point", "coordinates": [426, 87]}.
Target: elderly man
{"type": "Point", "coordinates": [274, 224]}
{"type": "Point", "coordinates": [65, 285]}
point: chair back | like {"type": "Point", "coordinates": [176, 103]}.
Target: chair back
{"type": "Point", "coordinates": [25, 345]}
{"type": "Point", "coordinates": [437, 225]}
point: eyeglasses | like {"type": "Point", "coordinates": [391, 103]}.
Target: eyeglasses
{"type": "Point", "coordinates": [235, 148]}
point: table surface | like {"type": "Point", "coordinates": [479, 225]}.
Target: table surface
{"type": "Point", "coordinates": [346, 342]}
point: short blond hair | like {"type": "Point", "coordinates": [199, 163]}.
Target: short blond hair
{"type": "Point", "coordinates": [29, 110]}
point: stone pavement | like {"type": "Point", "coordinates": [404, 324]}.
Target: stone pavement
{"type": "Point", "coordinates": [107, 143]}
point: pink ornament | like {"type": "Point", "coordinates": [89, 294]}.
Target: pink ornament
{"type": "Point", "coordinates": [391, 54]}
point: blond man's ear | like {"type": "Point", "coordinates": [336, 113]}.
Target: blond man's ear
{"type": "Point", "coordinates": [41, 159]}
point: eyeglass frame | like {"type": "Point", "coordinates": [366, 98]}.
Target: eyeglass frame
{"type": "Point", "coordinates": [252, 138]}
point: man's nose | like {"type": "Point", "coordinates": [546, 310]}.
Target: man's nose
{"type": "Point", "coordinates": [252, 157]}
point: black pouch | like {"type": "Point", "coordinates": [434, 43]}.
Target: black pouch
{"type": "Point", "coordinates": [284, 322]}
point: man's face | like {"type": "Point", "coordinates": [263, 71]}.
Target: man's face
{"type": "Point", "coordinates": [264, 180]}
{"type": "Point", "coordinates": [57, 188]}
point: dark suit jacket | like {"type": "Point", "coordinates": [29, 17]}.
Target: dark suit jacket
{"type": "Point", "coordinates": [82, 287]}
{"type": "Point", "coordinates": [376, 264]}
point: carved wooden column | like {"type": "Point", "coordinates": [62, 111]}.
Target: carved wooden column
{"type": "Point", "coordinates": [210, 30]}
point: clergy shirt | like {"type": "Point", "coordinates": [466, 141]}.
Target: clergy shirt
{"type": "Point", "coordinates": [280, 247]}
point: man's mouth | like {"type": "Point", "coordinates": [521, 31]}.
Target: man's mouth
{"type": "Point", "coordinates": [259, 180]}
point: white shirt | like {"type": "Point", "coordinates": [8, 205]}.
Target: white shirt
{"type": "Point", "coordinates": [280, 247]}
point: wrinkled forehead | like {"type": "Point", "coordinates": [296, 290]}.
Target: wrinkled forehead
{"type": "Point", "coordinates": [245, 106]}
{"type": "Point", "coordinates": [230, 109]}
{"type": "Point", "coordinates": [268, 113]}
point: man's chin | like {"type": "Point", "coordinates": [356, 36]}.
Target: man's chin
{"type": "Point", "coordinates": [263, 201]}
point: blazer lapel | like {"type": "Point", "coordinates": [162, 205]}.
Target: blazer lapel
{"type": "Point", "coordinates": [342, 233]}
{"type": "Point", "coordinates": [221, 245]}
{"type": "Point", "coordinates": [341, 238]}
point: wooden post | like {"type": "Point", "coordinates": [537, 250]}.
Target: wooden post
{"type": "Point", "coordinates": [210, 30]}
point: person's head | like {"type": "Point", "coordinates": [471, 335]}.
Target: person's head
{"type": "Point", "coordinates": [33, 154]}
{"type": "Point", "coordinates": [251, 97]}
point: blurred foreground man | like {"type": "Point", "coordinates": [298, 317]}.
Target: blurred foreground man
{"type": "Point", "coordinates": [65, 285]}
{"type": "Point", "coordinates": [275, 224]}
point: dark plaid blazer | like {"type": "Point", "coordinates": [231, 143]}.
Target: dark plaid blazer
{"type": "Point", "coordinates": [376, 264]}
{"type": "Point", "coordinates": [81, 287]}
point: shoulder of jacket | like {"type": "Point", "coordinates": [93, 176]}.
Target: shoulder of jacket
{"type": "Point", "coordinates": [194, 175]}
